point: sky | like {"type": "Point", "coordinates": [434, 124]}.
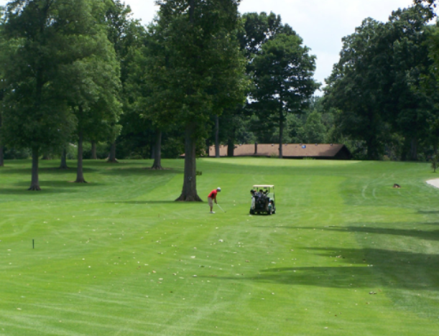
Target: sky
{"type": "Point", "coordinates": [321, 23]}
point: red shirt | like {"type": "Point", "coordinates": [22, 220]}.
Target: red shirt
{"type": "Point", "coordinates": [213, 194]}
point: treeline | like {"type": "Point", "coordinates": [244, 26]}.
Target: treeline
{"type": "Point", "coordinates": [381, 99]}
{"type": "Point", "coordinates": [84, 75]}
{"type": "Point", "coordinates": [384, 90]}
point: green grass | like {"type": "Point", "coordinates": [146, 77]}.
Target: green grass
{"type": "Point", "coordinates": [118, 257]}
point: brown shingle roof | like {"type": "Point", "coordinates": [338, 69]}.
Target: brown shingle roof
{"type": "Point", "coordinates": [289, 150]}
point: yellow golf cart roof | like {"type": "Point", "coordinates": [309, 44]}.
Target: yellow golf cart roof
{"type": "Point", "coordinates": [263, 186]}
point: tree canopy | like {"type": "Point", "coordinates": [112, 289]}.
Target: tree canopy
{"type": "Point", "coordinates": [283, 80]}
{"type": "Point", "coordinates": [200, 67]}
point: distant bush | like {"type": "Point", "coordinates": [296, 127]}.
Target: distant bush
{"type": "Point", "coordinates": [15, 154]}
{"type": "Point", "coordinates": [102, 150]}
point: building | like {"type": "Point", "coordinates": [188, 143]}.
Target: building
{"type": "Point", "coordinates": [290, 151]}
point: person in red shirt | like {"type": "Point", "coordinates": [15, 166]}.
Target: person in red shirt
{"type": "Point", "coordinates": [212, 197]}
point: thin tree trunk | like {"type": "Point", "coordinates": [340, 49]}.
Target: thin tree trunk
{"type": "Point", "coordinates": [231, 146]}
{"type": "Point", "coordinates": [158, 151]}
{"type": "Point", "coordinates": [112, 156]}
{"type": "Point", "coordinates": [207, 148]}
{"type": "Point", "coordinates": [93, 151]}
{"type": "Point", "coordinates": [217, 146]}
{"type": "Point", "coordinates": [63, 164]}
{"type": "Point", "coordinates": [414, 149]}
{"type": "Point", "coordinates": [2, 162]}
{"type": "Point", "coordinates": [189, 192]}
{"type": "Point", "coordinates": [35, 184]}
{"type": "Point", "coordinates": [281, 132]}
{"type": "Point", "coordinates": [80, 171]}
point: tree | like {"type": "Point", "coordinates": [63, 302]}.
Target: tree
{"type": "Point", "coordinates": [372, 86]}
{"type": "Point", "coordinates": [408, 107]}
{"type": "Point", "coordinates": [282, 75]}
{"type": "Point", "coordinates": [257, 29]}
{"type": "Point", "coordinates": [91, 82]}
{"type": "Point", "coordinates": [428, 87]}
{"type": "Point", "coordinates": [234, 123]}
{"type": "Point", "coordinates": [2, 91]}
{"type": "Point", "coordinates": [1, 144]}
{"type": "Point", "coordinates": [204, 70]}
{"type": "Point", "coordinates": [430, 5]}
{"type": "Point", "coordinates": [356, 84]}
{"type": "Point", "coordinates": [146, 69]}
{"type": "Point", "coordinates": [125, 34]}
{"type": "Point", "coordinates": [40, 37]}
{"type": "Point", "coordinates": [314, 131]}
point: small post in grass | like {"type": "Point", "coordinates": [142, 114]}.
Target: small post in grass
{"type": "Point", "coordinates": [33, 243]}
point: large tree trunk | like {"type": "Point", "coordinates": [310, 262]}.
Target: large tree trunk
{"type": "Point", "coordinates": [35, 184]}
{"type": "Point", "coordinates": [217, 146]}
{"type": "Point", "coordinates": [112, 156]}
{"type": "Point", "coordinates": [93, 151]}
{"type": "Point", "coordinates": [151, 152]}
{"type": "Point", "coordinates": [63, 164]}
{"type": "Point", "coordinates": [158, 151]}
{"type": "Point", "coordinates": [80, 171]}
{"type": "Point", "coordinates": [189, 192]}
{"type": "Point", "coordinates": [281, 132]}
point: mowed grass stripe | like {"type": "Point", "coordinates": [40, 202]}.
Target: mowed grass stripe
{"type": "Point", "coordinates": [118, 256]}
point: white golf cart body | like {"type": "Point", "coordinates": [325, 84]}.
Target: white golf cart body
{"type": "Point", "coordinates": [269, 207]}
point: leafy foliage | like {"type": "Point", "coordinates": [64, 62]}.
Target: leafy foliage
{"type": "Point", "coordinates": [375, 85]}
{"type": "Point", "coordinates": [283, 83]}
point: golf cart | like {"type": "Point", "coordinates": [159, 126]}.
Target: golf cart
{"type": "Point", "coordinates": [262, 200]}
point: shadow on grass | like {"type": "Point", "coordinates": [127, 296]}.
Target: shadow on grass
{"type": "Point", "coordinates": [375, 268]}
{"type": "Point", "coordinates": [48, 187]}
{"type": "Point", "coordinates": [415, 233]}
{"type": "Point", "coordinates": [45, 190]}
{"type": "Point", "coordinates": [155, 202]}
{"type": "Point", "coordinates": [61, 184]}
{"type": "Point", "coordinates": [49, 170]}
{"type": "Point", "coordinates": [140, 171]}
{"type": "Point", "coordinates": [428, 212]}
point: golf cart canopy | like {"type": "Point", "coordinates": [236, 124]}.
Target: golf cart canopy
{"type": "Point", "coordinates": [263, 186]}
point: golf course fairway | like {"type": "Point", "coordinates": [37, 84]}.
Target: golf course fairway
{"type": "Point", "coordinates": [345, 254]}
